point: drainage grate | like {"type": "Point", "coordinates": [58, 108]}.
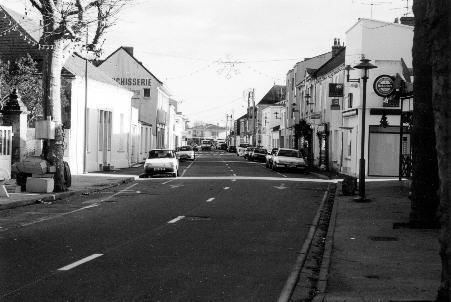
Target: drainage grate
{"type": "Point", "coordinates": [197, 218]}
{"type": "Point", "coordinates": [383, 238]}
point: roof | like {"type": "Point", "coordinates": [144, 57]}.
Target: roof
{"type": "Point", "coordinates": [242, 117]}
{"type": "Point", "coordinates": [312, 63]}
{"type": "Point", "coordinates": [382, 24]}
{"type": "Point", "coordinates": [75, 64]}
{"type": "Point", "coordinates": [275, 94]}
{"type": "Point", "coordinates": [100, 62]}
{"type": "Point", "coordinates": [333, 63]}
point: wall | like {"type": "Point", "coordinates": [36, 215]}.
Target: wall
{"type": "Point", "coordinates": [101, 96]}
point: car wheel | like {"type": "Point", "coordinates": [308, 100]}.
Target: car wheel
{"type": "Point", "coordinates": [177, 174]}
{"type": "Point", "coordinates": [266, 165]}
{"type": "Point", "coordinates": [274, 168]}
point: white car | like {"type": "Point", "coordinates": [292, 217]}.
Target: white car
{"type": "Point", "coordinates": [161, 161]}
{"type": "Point", "coordinates": [289, 159]}
{"type": "Point", "coordinates": [186, 152]}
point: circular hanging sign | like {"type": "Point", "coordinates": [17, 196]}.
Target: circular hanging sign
{"type": "Point", "coordinates": [384, 85]}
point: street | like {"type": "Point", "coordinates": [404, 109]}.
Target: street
{"type": "Point", "coordinates": [227, 229]}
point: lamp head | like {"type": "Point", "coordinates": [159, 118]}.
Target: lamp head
{"type": "Point", "coordinates": [365, 65]}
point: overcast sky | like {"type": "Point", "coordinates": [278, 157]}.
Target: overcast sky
{"type": "Point", "coordinates": [183, 43]}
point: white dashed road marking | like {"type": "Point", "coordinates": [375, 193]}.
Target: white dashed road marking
{"type": "Point", "coordinates": [210, 199]}
{"type": "Point", "coordinates": [176, 219]}
{"type": "Point", "coordinates": [226, 188]}
{"type": "Point", "coordinates": [79, 262]}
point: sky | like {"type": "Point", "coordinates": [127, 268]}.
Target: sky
{"type": "Point", "coordinates": [209, 52]}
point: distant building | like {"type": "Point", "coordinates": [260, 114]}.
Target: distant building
{"type": "Point", "coordinates": [196, 134]}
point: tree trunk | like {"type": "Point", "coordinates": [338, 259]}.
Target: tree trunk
{"type": "Point", "coordinates": [425, 183]}
{"type": "Point", "coordinates": [440, 63]}
{"type": "Point", "coordinates": [54, 149]}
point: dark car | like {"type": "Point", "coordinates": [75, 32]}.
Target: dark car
{"type": "Point", "coordinates": [231, 149]}
{"type": "Point", "coordinates": [223, 146]}
{"type": "Point", "coordinates": [259, 154]}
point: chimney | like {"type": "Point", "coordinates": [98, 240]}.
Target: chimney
{"type": "Point", "coordinates": [128, 49]}
{"type": "Point", "coordinates": [408, 21]}
{"type": "Point", "coordinates": [336, 47]}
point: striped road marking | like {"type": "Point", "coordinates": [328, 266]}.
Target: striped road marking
{"type": "Point", "coordinates": [79, 262]}
{"type": "Point", "coordinates": [176, 219]}
{"type": "Point", "coordinates": [210, 199]}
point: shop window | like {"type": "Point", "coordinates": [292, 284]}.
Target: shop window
{"type": "Point", "coordinates": [147, 92]}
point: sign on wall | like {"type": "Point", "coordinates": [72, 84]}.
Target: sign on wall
{"type": "Point", "coordinates": [384, 85]}
{"type": "Point", "coordinates": [335, 105]}
{"type": "Point", "coordinates": [336, 90]}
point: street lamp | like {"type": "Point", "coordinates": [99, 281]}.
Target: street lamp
{"type": "Point", "coordinates": [364, 66]}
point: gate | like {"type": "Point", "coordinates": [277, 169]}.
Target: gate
{"type": "Point", "coordinates": [5, 151]}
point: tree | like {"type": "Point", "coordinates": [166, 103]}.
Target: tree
{"type": "Point", "coordinates": [425, 182]}
{"type": "Point", "coordinates": [23, 74]}
{"type": "Point", "coordinates": [65, 30]}
{"type": "Point", "coordinates": [431, 47]}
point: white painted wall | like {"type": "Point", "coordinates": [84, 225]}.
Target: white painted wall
{"type": "Point", "coordinates": [101, 96]}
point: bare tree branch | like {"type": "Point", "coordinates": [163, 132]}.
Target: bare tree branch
{"type": "Point", "coordinates": [36, 5]}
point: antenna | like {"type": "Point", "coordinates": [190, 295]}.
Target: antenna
{"type": "Point", "coordinates": [372, 3]}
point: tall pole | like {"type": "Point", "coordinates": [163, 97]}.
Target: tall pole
{"type": "Point", "coordinates": [85, 147]}
{"type": "Point", "coordinates": [254, 120]}
{"type": "Point", "coordinates": [362, 143]}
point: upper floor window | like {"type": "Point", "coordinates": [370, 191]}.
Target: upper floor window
{"type": "Point", "coordinates": [147, 92]}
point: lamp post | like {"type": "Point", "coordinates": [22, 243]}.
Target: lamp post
{"type": "Point", "coordinates": [364, 66]}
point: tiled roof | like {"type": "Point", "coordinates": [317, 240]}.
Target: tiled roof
{"type": "Point", "coordinates": [333, 63]}
{"type": "Point", "coordinates": [274, 95]}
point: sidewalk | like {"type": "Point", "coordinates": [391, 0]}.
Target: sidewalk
{"type": "Point", "coordinates": [80, 183]}
{"type": "Point", "coordinates": [372, 261]}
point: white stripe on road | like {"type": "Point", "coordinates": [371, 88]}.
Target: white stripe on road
{"type": "Point", "coordinates": [59, 215]}
{"type": "Point", "coordinates": [233, 179]}
{"type": "Point", "coordinates": [189, 166]}
{"type": "Point", "coordinates": [176, 219]}
{"type": "Point", "coordinates": [210, 199]}
{"type": "Point", "coordinates": [226, 188]}
{"type": "Point", "coordinates": [79, 262]}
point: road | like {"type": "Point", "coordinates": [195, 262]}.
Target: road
{"type": "Point", "coordinates": [226, 230]}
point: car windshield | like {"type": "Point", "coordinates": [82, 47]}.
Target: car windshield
{"type": "Point", "coordinates": [161, 154]}
{"type": "Point", "coordinates": [289, 153]}
{"type": "Point", "coordinates": [263, 151]}
{"type": "Point", "coordinates": [249, 149]}
{"type": "Point", "coordinates": [186, 148]}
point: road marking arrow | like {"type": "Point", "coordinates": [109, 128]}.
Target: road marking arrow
{"type": "Point", "coordinates": [281, 187]}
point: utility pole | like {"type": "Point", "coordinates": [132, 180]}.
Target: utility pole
{"type": "Point", "coordinates": [248, 114]}
{"type": "Point", "coordinates": [254, 120]}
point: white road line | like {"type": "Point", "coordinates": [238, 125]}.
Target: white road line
{"type": "Point", "coordinates": [79, 262]}
{"type": "Point", "coordinates": [226, 188]}
{"type": "Point", "coordinates": [281, 174]}
{"type": "Point", "coordinates": [189, 166]}
{"type": "Point", "coordinates": [233, 179]}
{"type": "Point", "coordinates": [59, 215]}
{"type": "Point", "coordinates": [234, 174]}
{"type": "Point", "coordinates": [210, 199]}
{"type": "Point", "coordinates": [126, 190]}
{"type": "Point", "coordinates": [176, 219]}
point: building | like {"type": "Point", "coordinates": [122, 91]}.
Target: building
{"type": "Point", "coordinates": [389, 47]}
{"type": "Point", "coordinates": [199, 132]}
{"type": "Point", "coordinates": [108, 105]}
{"type": "Point", "coordinates": [150, 98]}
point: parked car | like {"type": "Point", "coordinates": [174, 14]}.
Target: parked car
{"type": "Point", "coordinates": [270, 156]}
{"type": "Point", "coordinates": [241, 149]}
{"type": "Point", "coordinates": [195, 148]}
{"type": "Point", "coordinates": [185, 152]}
{"type": "Point", "coordinates": [223, 146]}
{"type": "Point", "coordinates": [205, 145]}
{"type": "Point", "coordinates": [289, 159]}
{"type": "Point", "coordinates": [258, 154]}
{"type": "Point", "coordinates": [161, 161]}
{"type": "Point", "coordinates": [248, 151]}
{"type": "Point", "coordinates": [231, 149]}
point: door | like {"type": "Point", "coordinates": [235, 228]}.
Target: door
{"type": "Point", "coordinates": [104, 137]}
{"type": "Point", "coordinates": [383, 157]}
{"type": "Point", "coordinates": [5, 151]}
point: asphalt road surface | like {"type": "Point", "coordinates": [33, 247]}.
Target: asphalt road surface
{"type": "Point", "coordinates": [226, 230]}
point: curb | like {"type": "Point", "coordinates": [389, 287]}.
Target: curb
{"type": "Point", "coordinates": [319, 175]}
{"type": "Point", "coordinates": [325, 262]}
{"type": "Point", "coordinates": [290, 284]}
{"type": "Point", "coordinates": [62, 195]}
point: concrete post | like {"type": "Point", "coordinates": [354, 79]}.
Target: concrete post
{"type": "Point", "coordinates": [15, 114]}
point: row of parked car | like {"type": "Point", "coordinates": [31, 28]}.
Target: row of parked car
{"type": "Point", "coordinates": [277, 158]}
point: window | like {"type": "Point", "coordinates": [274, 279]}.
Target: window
{"type": "Point", "coordinates": [349, 100]}
{"type": "Point", "coordinates": [147, 92]}
{"type": "Point", "coordinates": [121, 141]}
{"type": "Point", "coordinates": [136, 93]}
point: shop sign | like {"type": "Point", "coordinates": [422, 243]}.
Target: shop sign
{"type": "Point", "coordinates": [336, 90]}
{"type": "Point", "coordinates": [335, 105]}
{"type": "Point", "coordinates": [384, 85]}
{"type": "Point", "coordinates": [322, 128]}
